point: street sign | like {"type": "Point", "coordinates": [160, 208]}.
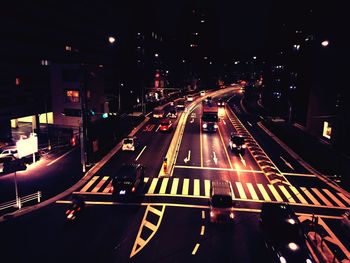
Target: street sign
{"type": "Point", "coordinates": [27, 146]}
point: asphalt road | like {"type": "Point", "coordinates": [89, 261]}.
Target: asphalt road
{"type": "Point", "coordinates": [169, 222]}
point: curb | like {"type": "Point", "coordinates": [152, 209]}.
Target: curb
{"type": "Point", "coordinates": [302, 162]}
{"type": "Point", "coordinates": [80, 183]}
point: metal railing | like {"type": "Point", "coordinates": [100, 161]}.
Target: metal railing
{"type": "Point", "coordinates": [21, 200]}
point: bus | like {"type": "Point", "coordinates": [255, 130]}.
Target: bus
{"type": "Point", "coordinates": [209, 116]}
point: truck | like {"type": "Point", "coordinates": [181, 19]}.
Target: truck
{"type": "Point", "coordinates": [209, 116]}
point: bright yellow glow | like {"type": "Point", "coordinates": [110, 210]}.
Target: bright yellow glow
{"type": "Point", "coordinates": [327, 130]}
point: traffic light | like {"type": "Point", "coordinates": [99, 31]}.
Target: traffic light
{"type": "Point", "coordinates": [105, 115]}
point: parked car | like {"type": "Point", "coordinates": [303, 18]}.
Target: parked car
{"type": "Point", "coordinates": [189, 97]}
{"type": "Point", "coordinates": [283, 233]}
{"type": "Point", "coordinates": [128, 180]}
{"type": "Point", "coordinates": [9, 164]}
{"type": "Point", "coordinates": [129, 144]}
{"type": "Point", "coordinates": [237, 143]}
{"type": "Point", "coordinates": [10, 150]}
{"type": "Point", "coordinates": [221, 202]}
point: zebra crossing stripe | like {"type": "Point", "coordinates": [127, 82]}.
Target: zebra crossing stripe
{"type": "Point", "coordinates": [207, 187]}
{"type": "Point", "coordinates": [298, 195]}
{"type": "Point", "coordinates": [91, 182]}
{"type": "Point", "coordinates": [150, 226]}
{"type": "Point", "coordinates": [100, 183]}
{"type": "Point", "coordinates": [263, 192]}
{"type": "Point", "coordinates": [344, 198]}
{"type": "Point", "coordinates": [334, 198]}
{"type": "Point", "coordinates": [310, 196]}
{"type": "Point", "coordinates": [163, 186]}
{"type": "Point", "coordinates": [196, 187]}
{"type": "Point", "coordinates": [108, 188]}
{"type": "Point", "coordinates": [252, 191]}
{"type": "Point", "coordinates": [241, 190]}
{"type": "Point", "coordinates": [275, 193]}
{"type": "Point", "coordinates": [321, 196]}
{"type": "Point", "coordinates": [286, 194]}
{"type": "Point", "coordinates": [185, 186]}
{"type": "Point", "coordinates": [174, 186]}
{"type": "Point", "coordinates": [153, 186]}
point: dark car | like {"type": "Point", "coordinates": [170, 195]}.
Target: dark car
{"type": "Point", "coordinates": [221, 103]}
{"type": "Point", "coordinates": [128, 180]}
{"type": "Point", "coordinates": [283, 233]}
{"type": "Point", "coordinates": [10, 164]}
{"type": "Point", "coordinates": [237, 143]}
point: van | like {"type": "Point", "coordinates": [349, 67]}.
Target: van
{"type": "Point", "coordinates": [221, 202]}
{"type": "Point", "coordinates": [158, 112]}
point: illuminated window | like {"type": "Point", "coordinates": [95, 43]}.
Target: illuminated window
{"type": "Point", "coordinates": [72, 95]}
{"type": "Point", "coordinates": [327, 130]}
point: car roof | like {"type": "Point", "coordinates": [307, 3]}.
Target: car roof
{"type": "Point", "coordinates": [221, 187]}
{"type": "Point", "coordinates": [127, 171]}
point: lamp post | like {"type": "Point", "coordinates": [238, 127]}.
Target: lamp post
{"type": "Point", "coordinates": [82, 127]}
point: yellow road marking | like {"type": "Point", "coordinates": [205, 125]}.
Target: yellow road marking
{"type": "Point", "coordinates": [194, 251]}
{"type": "Point", "coordinates": [202, 230]}
{"type": "Point", "coordinates": [310, 196]}
{"type": "Point", "coordinates": [155, 211]}
{"type": "Point", "coordinates": [91, 182]}
{"type": "Point", "coordinates": [108, 188]}
{"type": "Point", "coordinates": [334, 198]}
{"type": "Point", "coordinates": [174, 186]}
{"type": "Point", "coordinates": [224, 146]}
{"type": "Point", "coordinates": [275, 193]}
{"type": "Point", "coordinates": [207, 188]}
{"type": "Point", "coordinates": [263, 192]}
{"type": "Point", "coordinates": [252, 191]}
{"type": "Point", "coordinates": [163, 186]}
{"type": "Point", "coordinates": [196, 187]}
{"type": "Point", "coordinates": [145, 180]}
{"type": "Point", "coordinates": [344, 197]}
{"type": "Point", "coordinates": [150, 226]}
{"type": "Point", "coordinates": [100, 183]}
{"type": "Point", "coordinates": [286, 194]}
{"type": "Point", "coordinates": [241, 190]}
{"type": "Point", "coordinates": [324, 199]}
{"type": "Point", "coordinates": [299, 196]}
{"type": "Point", "coordinates": [185, 186]}
{"type": "Point", "coordinates": [153, 186]}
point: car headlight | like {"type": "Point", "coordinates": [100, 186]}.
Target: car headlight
{"type": "Point", "coordinates": [216, 126]}
{"type": "Point", "coordinates": [205, 125]}
{"type": "Point", "coordinates": [308, 260]}
{"type": "Point", "coordinates": [283, 260]}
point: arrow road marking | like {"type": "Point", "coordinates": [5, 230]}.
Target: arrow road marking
{"type": "Point", "coordinates": [242, 160]}
{"type": "Point", "coordinates": [287, 163]}
{"type": "Point", "coordinates": [187, 159]}
{"type": "Point", "coordinates": [215, 159]}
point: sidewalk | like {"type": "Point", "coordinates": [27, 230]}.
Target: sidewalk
{"type": "Point", "coordinates": [316, 152]}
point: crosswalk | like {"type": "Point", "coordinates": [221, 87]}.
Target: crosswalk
{"type": "Point", "coordinates": [185, 187]}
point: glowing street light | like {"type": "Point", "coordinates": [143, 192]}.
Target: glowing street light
{"type": "Point", "coordinates": [325, 43]}
{"type": "Point", "coordinates": [111, 39]}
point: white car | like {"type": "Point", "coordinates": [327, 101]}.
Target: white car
{"type": "Point", "coordinates": [8, 152]}
{"type": "Point", "coordinates": [202, 93]}
{"type": "Point", "coordinates": [189, 97]}
{"type": "Point", "coordinates": [129, 144]}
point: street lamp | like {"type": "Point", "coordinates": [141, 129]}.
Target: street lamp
{"type": "Point", "coordinates": [111, 39]}
{"type": "Point", "coordinates": [325, 43]}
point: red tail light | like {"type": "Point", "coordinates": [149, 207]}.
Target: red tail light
{"type": "Point", "coordinates": [73, 141]}
{"type": "Point", "coordinates": [133, 189]}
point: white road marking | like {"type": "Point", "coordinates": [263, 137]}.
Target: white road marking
{"type": "Point", "coordinates": [287, 163]}
{"type": "Point", "coordinates": [242, 160]}
{"type": "Point", "coordinates": [188, 158]}
{"type": "Point", "coordinates": [215, 158]}
{"type": "Point", "coordinates": [192, 120]}
{"type": "Point", "coordinates": [224, 121]}
{"type": "Point", "coordinates": [249, 123]}
{"type": "Point", "coordinates": [158, 128]}
{"type": "Point", "coordinates": [138, 156]}
{"type": "Point", "coordinates": [59, 158]}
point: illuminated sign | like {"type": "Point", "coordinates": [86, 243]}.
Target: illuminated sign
{"type": "Point", "coordinates": [27, 146]}
{"type": "Point", "coordinates": [327, 130]}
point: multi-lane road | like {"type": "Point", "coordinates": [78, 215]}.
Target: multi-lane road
{"type": "Point", "coordinates": [169, 221]}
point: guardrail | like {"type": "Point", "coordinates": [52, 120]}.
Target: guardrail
{"type": "Point", "coordinates": [21, 200]}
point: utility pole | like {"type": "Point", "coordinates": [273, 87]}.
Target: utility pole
{"type": "Point", "coordinates": [82, 126]}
